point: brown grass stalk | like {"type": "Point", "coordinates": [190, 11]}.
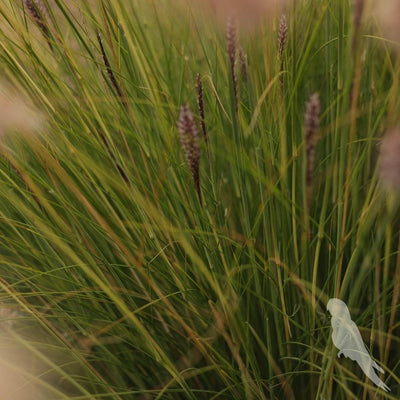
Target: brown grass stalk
{"type": "Point", "coordinates": [358, 8]}
{"type": "Point", "coordinates": [121, 171]}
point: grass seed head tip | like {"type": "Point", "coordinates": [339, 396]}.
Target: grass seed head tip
{"type": "Point", "coordinates": [282, 35]}
{"type": "Point", "coordinates": [190, 141]}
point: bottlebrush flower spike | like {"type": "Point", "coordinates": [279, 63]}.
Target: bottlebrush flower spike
{"type": "Point", "coordinates": [311, 128]}
{"type": "Point", "coordinates": [282, 38]}
{"type": "Point", "coordinates": [200, 104]}
{"type": "Point", "coordinates": [243, 63]}
{"type": "Point", "coordinates": [109, 70]}
{"type": "Point", "coordinates": [231, 39]}
{"type": "Point", "coordinates": [37, 9]}
{"type": "Point", "coordinates": [282, 35]}
{"type": "Point", "coordinates": [231, 47]}
{"type": "Point", "coordinates": [190, 140]}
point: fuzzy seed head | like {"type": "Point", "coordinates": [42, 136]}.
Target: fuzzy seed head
{"type": "Point", "coordinates": [200, 95]}
{"type": "Point", "coordinates": [36, 7]}
{"type": "Point", "coordinates": [189, 137]}
{"type": "Point", "coordinates": [190, 140]}
{"type": "Point", "coordinates": [243, 63]}
{"type": "Point", "coordinates": [110, 72]}
{"type": "Point", "coordinates": [231, 39]}
{"type": "Point", "coordinates": [389, 167]}
{"type": "Point", "coordinates": [311, 128]}
{"type": "Point", "coordinates": [282, 35]}
{"type": "Point", "coordinates": [200, 105]}
{"type": "Point", "coordinates": [311, 119]}
{"type": "Point", "coordinates": [231, 46]}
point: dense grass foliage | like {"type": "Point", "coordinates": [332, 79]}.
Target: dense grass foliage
{"type": "Point", "coordinates": [116, 283]}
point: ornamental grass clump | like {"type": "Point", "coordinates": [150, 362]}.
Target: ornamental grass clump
{"type": "Point", "coordinates": [104, 244]}
{"type": "Point", "coordinates": [190, 140]}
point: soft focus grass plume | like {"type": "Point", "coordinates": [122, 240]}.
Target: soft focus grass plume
{"type": "Point", "coordinates": [122, 284]}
